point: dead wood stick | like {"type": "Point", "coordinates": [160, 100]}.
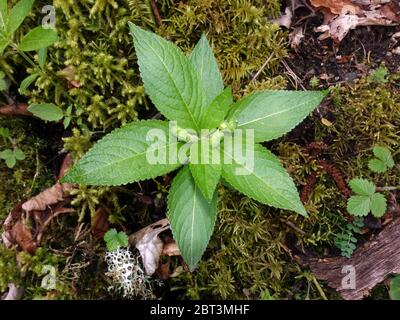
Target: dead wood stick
{"type": "Point", "coordinates": [18, 109]}
{"type": "Point", "coordinates": [371, 263]}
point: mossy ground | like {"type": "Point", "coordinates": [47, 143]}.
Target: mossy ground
{"type": "Point", "coordinates": [253, 247]}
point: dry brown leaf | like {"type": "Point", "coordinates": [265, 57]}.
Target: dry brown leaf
{"type": "Point", "coordinates": [344, 15]}
{"type": "Point", "coordinates": [295, 37]}
{"type": "Point", "coordinates": [171, 249]}
{"type": "Point", "coordinates": [149, 244]}
{"type": "Point", "coordinates": [26, 222]}
{"type": "Point", "coordinates": [99, 223]}
{"type": "Point", "coordinates": [336, 6]}
{"type": "Point", "coordinates": [46, 198]}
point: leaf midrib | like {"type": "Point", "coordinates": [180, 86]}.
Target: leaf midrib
{"type": "Point", "coordinates": [264, 182]}
{"type": "Point", "coordinates": [275, 113]}
{"type": "Point", "coordinates": [129, 158]}
{"type": "Point", "coordinates": [176, 87]}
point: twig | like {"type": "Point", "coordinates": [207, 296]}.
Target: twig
{"type": "Point", "coordinates": [293, 226]}
{"type": "Point", "coordinates": [262, 68]}
{"type": "Point", "coordinates": [156, 13]}
{"type": "Point", "coordinates": [293, 75]}
{"type": "Point", "coordinates": [17, 109]}
{"type": "Point", "coordinates": [381, 189]}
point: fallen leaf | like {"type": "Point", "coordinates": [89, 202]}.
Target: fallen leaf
{"type": "Point", "coordinates": [295, 37]}
{"type": "Point", "coordinates": [46, 198]}
{"type": "Point", "coordinates": [26, 223]}
{"type": "Point", "coordinates": [171, 249]}
{"type": "Point", "coordinates": [149, 244]}
{"type": "Point", "coordinates": [336, 6]}
{"type": "Point", "coordinates": [99, 223]}
{"type": "Point", "coordinates": [344, 15]}
{"type": "Point", "coordinates": [13, 293]}
{"type": "Point", "coordinates": [285, 20]}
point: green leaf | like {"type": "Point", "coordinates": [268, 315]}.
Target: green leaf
{"type": "Point", "coordinates": [67, 122]}
{"type": "Point", "coordinates": [217, 110]}
{"type": "Point", "coordinates": [18, 154]}
{"type": "Point", "coordinates": [38, 38]}
{"type": "Point", "coordinates": [206, 174]}
{"type": "Point", "coordinates": [18, 14]}
{"type": "Point", "coordinates": [191, 217]}
{"type": "Point", "coordinates": [42, 56]}
{"type": "Point", "coordinates": [115, 239]}
{"type": "Point", "coordinates": [376, 165]}
{"type": "Point", "coordinates": [10, 162]}
{"type": "Point", "coordinates": [3, 13]}
{"type": "Point", "coordinates": [359, 205]}
{"type": "Point", "coordinates": [394, 290]}
{"type": "Point", "coordinates": [267, 182]}
{"type": "Point", "coordinates": [273, 113]}
{"type": "Point", "coordinates": [4, 132]}
{"type": "Point", "coordinates": [3, 85]}
{"type": "Point", "coordinates": [362, 187]}
{"type": "Point", "coordinates": [384, 155]}
{"type": "Point", "coordinates": [9, 157]}
{"type": "Point", "coordinates": [27, 82]}
{"type": "Point", "coordinates": [46, 111]}
{"type": "Point", "coordinates": [169, 79]}
{"type": "Point", "coordinates": [378, 205]}
{"type": "Point", "coordinates": [120, 157]}
{"type": "Point", "coordinates": [3, 45]}
{"type": "Point", "coordinates": [6, 154]}
{"type": "Point", "coordinates": [207, 68]}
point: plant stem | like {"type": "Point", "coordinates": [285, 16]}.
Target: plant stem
{"type": "Point", "coordinates": [387, 188]}
{"type": "Point", "coordinates": [23, 55]}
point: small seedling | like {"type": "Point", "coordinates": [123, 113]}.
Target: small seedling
{"type": "Point", "coordinates": [115, 239]}
{"type": "Point", "coordinates": [346, 241]}
{"type": "Point", "coordinates": [366, 199]}
{"type": "Point", "coordinates": [383, 160]}
{"type": "Point", "coordinates": [379, 75]}
{"type": "Point", "coordinates": [37, 39]}
{"type": "Point", "coordinates": [11, 156]}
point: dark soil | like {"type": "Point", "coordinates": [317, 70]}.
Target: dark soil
{"type": "Point", "coordinates": [363, 49]}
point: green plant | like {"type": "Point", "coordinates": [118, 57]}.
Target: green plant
{"type": "Point", "coordinates": [37, 39]}
{"type": "Point", "coordinates": [10, 155]}
{"type": "Point", "coordinates": [11, 19]}
{"type": "Point", "coordinates": [383, 160]}
{"type": "Point", "coordinates": [346, 241]}
{"type": "Point", "coordinates": [380, 75]}
{"type": "Point", "coordinates": [394, 291]}
{"type": "Point", "coordinates": [190, 91]}
{"type": "Point", "coordinates": [367, 199]}
{"type": "Point", "coordinates": [115, 239]}
{"type": "Point", "coordinates": [3, 83]}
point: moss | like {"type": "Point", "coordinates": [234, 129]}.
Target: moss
{"type": "Point", "coordinates": [239, 31]}
{"type": "Point", "coordinates": [365, 114]}
{"type": "Point", "coordinates": [28, 176]}
{"type": "Point", "coordinates": [30, 272]}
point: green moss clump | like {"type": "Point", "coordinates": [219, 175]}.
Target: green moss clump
{"type": "Point", "coordinates": [30, 272]}
{"type": "Point", "coordinates": [239, 31]}
{"type": "Point", "coordinates": [92, 66]}
{"type": "Point", "coordinates": [366, 114]}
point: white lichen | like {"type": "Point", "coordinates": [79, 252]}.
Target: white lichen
{"type": "Point", "coordinates": [127, 276]}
